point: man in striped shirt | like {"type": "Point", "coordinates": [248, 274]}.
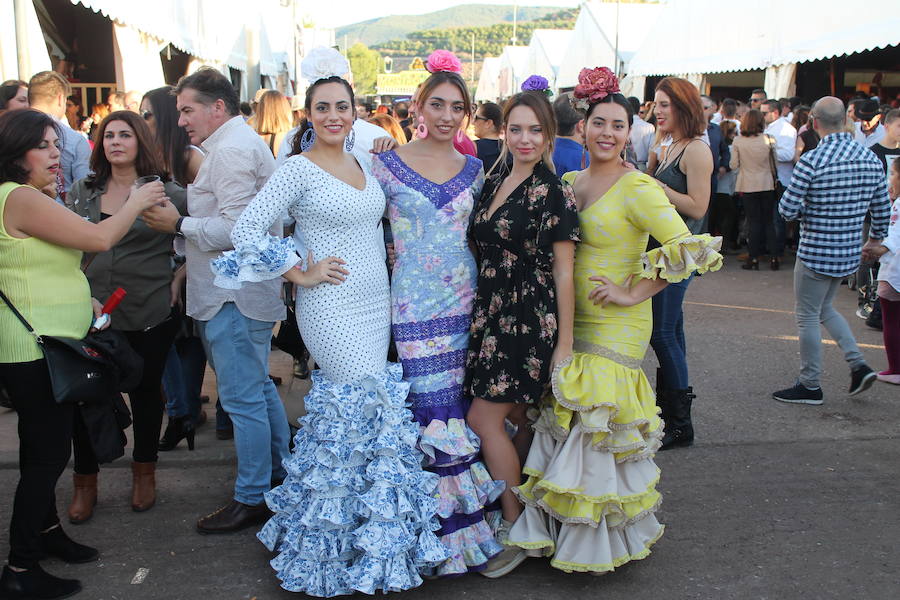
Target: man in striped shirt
{"type": "Point", "coordinates": [831, 190]}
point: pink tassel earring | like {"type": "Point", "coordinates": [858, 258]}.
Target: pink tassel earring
{"type": "Point", "coordinates": [421, 130]}
{"type": "Point", "coordinates": [460, 136]}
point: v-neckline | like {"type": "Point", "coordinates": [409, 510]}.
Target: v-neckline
{"type": "Point", "coordinates": [505, 200]}
{"type": "Point", "coordinates": [604, 194]}
{"type": "Point", "coordinates": [439, 194]}
{"type": "Point", "coordinates": [333, 176]}
{"type": "Point", "coordinates": [431, 181]}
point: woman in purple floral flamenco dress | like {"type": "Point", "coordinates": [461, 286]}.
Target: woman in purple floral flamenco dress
{"type": "Point", "coordinates": [432, 289]}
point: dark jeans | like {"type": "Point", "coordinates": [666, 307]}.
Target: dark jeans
{"type": "Point", "coordinates": [780, 226]}
{"type": "Point", "coordinates": [183, 377]}
{"type": "Point", "coordinates": [147, 403]}
{"type": "Point", "coordinates": [760, 208]}
{"type": "Point", "coordinates": [723, 219]}
{"type": "Point", "coordinates": [667, 338]}
{"type": "Point", "coordinates": [45, 441]}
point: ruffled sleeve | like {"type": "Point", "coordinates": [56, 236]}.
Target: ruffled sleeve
{"type": "Point", "coordinates": [258, 255]}
{"type": "Point", "coordinates": [681, 253]}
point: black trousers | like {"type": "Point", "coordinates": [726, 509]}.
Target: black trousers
{"type": "Point", "coordinates": [147, 401]}
{"type": "Point", "coordinates": [760, 210]}
{"type": "Point", "coordinates": [45, 442]}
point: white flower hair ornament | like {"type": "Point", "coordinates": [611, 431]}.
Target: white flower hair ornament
{"type": "Point", "coordinates": [322, 63]}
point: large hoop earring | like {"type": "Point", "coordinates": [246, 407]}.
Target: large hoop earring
{"type": "Point", "coordinates": [350, 140]}
{"type": "Point", "coordinates": [421, 130]}
{"type": "Point", "coordinates": [308, 139]}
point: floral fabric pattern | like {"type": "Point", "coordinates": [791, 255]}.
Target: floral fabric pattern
{"type": "Point", "coordinates": [514, 325]}
{"type": "Point", "coordinates": [432, 289]}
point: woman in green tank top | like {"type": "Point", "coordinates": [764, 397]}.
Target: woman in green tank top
{"type": "Point", "coordinates": [41, 243]}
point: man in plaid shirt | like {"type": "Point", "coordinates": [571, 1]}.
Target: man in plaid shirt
{"type": "Point", "coordinates": [832, 189]}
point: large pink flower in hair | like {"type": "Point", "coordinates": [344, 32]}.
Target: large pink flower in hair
{"type": "Point", "coordinates": [443, 60]}
{"type": "Point", "coordinates": [595, 84]}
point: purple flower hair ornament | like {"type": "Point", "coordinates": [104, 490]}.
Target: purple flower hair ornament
{"type": "Point", "coordinates": [536, 83]}
{"type": "Point", "coordinates": [593, 86]}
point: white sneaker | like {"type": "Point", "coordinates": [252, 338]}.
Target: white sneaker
{"type": "Point", "coordinates": [506, 561]}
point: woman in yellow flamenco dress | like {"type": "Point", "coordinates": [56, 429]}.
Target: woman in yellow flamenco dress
{"type": "Point", "coordinates": [590, 496]}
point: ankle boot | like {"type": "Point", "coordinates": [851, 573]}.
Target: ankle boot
{"type": "Point", "coordinates": [56, 543]}
{"type": "Point", "coordinates": [143, 486]}
{"type": "Point", "coordinates": [84, 498]}
{"type": "Point", "coordinates": [679, 430]}
{"type": "Point", "coordinates": [179, 428]}
{"type": "Point", "coordinates": [35, 583]}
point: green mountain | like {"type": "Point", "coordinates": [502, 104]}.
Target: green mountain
{"type": "Point", "coordinates": [395, 27]}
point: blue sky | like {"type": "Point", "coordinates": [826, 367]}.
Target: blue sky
{"type": "Point", "coordinates": [328, 14]}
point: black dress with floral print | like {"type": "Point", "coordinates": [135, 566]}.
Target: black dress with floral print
{"type": "Point", "coordinates": [514, 326]}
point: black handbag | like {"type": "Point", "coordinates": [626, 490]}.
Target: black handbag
{"type": "Point", "coordinates": [79, 373]}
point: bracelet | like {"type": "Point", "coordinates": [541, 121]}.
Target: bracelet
{"type": "Point", "coordinates": [178, 224]}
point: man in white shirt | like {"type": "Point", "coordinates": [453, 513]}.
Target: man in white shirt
{"type": "Point", "coordinates": [235, 325]}
{"type": "Point", "coordinates": [785, 136]}
{"type": "Point", "coordinates": [47, 92]}
{"type": "Point", "coordinates": [870, 130]}
{"type": "Point", "coordinates": [641, 136]}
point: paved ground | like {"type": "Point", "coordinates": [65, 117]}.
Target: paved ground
{"type": "Point", "coordinates": [773, 501]}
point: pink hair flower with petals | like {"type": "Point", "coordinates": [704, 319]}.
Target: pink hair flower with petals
{"type": "Point", "coordinates": [443, 60]}
{"type": "Point", "coordinates": [594, 85]}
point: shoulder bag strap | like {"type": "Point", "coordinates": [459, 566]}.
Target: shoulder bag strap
{"type": "Point", "coordinates": [17, 313]}
{"type": "Point", "coordinates": [770, 142]}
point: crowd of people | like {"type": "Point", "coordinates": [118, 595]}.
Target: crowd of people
{"type": "Point", "coordinates": [476, 312]}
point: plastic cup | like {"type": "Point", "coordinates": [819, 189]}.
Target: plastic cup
{"type": "Point", "coordinates": [142, 181]}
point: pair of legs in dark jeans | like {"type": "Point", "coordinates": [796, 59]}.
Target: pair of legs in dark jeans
{"type": "Point", "coordinates": [45, 443]}
{"type": "Point", "coordinates": [760, 210]}
{"type": "Point", "coordinates": [147, 403]}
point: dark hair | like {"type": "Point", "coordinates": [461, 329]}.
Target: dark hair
{"type": "Point", "coordinates": [759, 91]}
{"type": "Point", "coordinates": [635, 104]}
{"type": "Point", "coordinates": [794, 102]}
{"type": "Point", "coordinates": [891, 116]}
{"type": "Point", "coordinates": [210, 86]}
{"type": "Point", "coordinates": [729, 108]}
{"type": "Point", "coordinates": [307, 105]}
{"type": "Point", "coordinates": [493, 113]}
{"type": "Point", "coordinates": [439, 78]}
{"type": "Point", "coordinates": [774, 105]}
{"type": "Point", "coordinates": [537, 102]}
{"type": "Point", "coordinates": [7, 93]}
{"type": "Point", "coordinates": [753, 123]}
{"type": "Point", "coordinates": [402, 110]}
{"type": "Point", "coordinates": [21, 131]}
{"type": "Point", "coordinates": [246, 109]}
{"type": "Point", "coordinates": [148, 161]}
{"type": "Point", "coordinates": [801, 116]}
{"type": "Point", "coordinates": [614, 99]}
{"type": "Point", "coordinates": [567, 116]}
{"type": "Point", "coordinates": [685, 99]}
{"type": "Point", "coordinates": [46, 86]}
{"type": "Point", "coordinates": [172, 141]}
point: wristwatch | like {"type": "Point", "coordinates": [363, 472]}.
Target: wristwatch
{"type": "Point", "coordinates": [178, 227]}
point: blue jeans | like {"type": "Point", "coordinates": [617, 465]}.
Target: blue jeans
{"type": "Point", "coordinates": [183, 378]}
{"type": "Point", "coordinates": [667, 339]}
{"type": "Point", "coordinates": [238, 350]}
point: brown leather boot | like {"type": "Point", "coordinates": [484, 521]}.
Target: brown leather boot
{"type": "Point", "coordinates": [143, 486]}
{"type": "Point", "coordinates": [84, 498]}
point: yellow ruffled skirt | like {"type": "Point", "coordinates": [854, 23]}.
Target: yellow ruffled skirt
{"type": "Point", "coordinates": [591, 496]}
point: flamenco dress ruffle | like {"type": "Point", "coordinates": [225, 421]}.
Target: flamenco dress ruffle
{"type": "Point", "coordinates": [590, 497]}
{"type": "Point", "coordinates": [468, 509]}
{"type": "Point", "coordinates": [356, 512]}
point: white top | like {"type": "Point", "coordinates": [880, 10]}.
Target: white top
{"type": "Point", "coordinates": [890, 265]}
{"type": "Point", "coordinates": [785, 141]}
{"type": "Point", "coordinates": [236, 167]}
{"type": "Point", "coordinates": [875, 136]}
{"type": "Point", "coordinates": [641, 137]}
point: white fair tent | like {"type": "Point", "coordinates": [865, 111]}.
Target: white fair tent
{"type": "Point", "coordinates": [697, 37]}
{"type": "Point", "coordinates": [546, 52]}
{"type": "Point", "coordinates": [488, 89]}
{"type": "Point", "coordinates": [600, 30]}
{"type": "Point", "coordinates": [33, 55]}
{"type": "Point", "coordinates": [513, 67]}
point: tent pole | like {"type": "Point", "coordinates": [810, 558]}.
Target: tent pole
{"type": "Point", "coordinates": [831, 76]}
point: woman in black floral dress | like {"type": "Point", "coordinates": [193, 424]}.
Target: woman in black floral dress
{"type": "Point", "coordinates": [525, 227]}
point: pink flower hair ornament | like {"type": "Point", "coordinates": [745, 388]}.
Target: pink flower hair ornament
{"type": "Point", "coordinates": [443, 60]}
{"type": "Point", "coordinates": [593, 86]}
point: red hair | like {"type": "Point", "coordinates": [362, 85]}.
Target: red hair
{"type": "Point", "coordinates": [687, 110]}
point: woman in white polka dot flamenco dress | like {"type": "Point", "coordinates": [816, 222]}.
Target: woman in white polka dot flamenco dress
{"type": "Point", "coordinates": [356, 511]}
